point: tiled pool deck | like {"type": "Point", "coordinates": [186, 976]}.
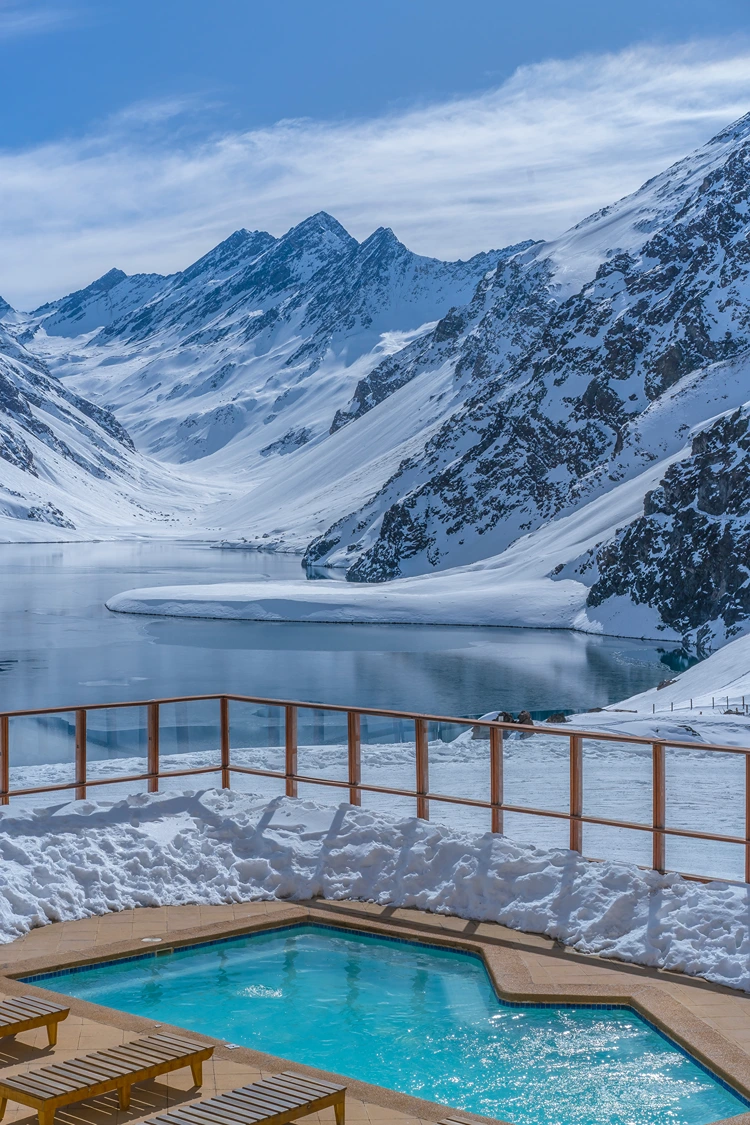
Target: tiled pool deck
{"type": "Point", "coordinates": [712, 1022]}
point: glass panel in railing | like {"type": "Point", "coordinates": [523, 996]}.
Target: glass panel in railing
{"type": "Point", "coordinates": [323, 742]}
{"type": "Point", "coordinates": [617, 785]}
{"type": "Point", "coordinates": [705, 792]}
{"type": "Point", "coordinates": [116, 746]}
{"type": "Point", "coordinates": [42, 752]}
{"type": "Point", "coordinates": [710, 859]}
{"type": "Point", "coordinates": [459, 766]}
{"type": "Point", "coordinates": [257, 741]}
{"type": "Point", "coordinates": [388, 756]}
{"type": "Point", "coordinates": [536, 775]}
{"type": "Point", "coordinates": [190, 739]}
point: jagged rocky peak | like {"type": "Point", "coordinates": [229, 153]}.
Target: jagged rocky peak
{"type": "Point", "coordinates": [5, 308]}
{"type": "Point", "coordinates": [240, 248]}
{"type": "Point", "coordinates": [102, 284]}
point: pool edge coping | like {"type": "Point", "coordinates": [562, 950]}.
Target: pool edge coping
{"type": "Point", "coordinates": [508, 974]}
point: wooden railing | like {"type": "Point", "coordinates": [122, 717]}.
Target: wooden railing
{"type": "Point", "coordinates": [355, 786]}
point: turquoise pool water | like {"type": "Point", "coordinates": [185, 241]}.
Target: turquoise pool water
{"type": "Point", "coordinates": [421, 1020]}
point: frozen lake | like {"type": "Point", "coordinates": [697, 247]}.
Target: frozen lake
{"type": "Point", "coordinates": [60, 645]}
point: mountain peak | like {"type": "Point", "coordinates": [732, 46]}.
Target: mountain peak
{"type": "Point", "coordinates": [737, 131]}
{"type": "Point", "coordinates": [107, 281]}
{"type": "Point", "coordinates": [318, 227]}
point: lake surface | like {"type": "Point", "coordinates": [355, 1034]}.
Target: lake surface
{"type": "Point", "coordinates": [60, 645]}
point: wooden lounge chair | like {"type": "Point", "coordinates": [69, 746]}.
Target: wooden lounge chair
{"type": "Point", "coordinates": [24, 1013]}
{"type": "Point", "coordinates": [275, 1101]}
{"type": "Point", "coordinates": [116, 1068]}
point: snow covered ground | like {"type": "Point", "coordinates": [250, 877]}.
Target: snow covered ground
{"type": "Point", "coordinates": [76, 860]}
{"type": "Point", "coordinates": [512, 589]}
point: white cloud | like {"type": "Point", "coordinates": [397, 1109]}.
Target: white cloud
{"type": "Point", "coordinates": [555, 142]}
{"type": "Point", "coordinates": [19, 17]}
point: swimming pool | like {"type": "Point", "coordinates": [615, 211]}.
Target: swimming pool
{"type": "Point", "coordinates": [417, 1019]}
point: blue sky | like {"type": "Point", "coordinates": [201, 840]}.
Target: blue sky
{"type": "Point", "coordinates": [138, 134]}
{"type": "Point", "coordinates": [66, 66]}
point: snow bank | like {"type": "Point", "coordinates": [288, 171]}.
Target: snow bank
{"type": "Point", "coordinates": [84, 858]}
{"type": "Point", "coordinates": [513, 588]}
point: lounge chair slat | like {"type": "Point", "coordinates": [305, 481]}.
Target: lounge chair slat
{"type": "Point", "coordinates": [241, 1105]}
{"type": "Point", "coordinates": [43, 1087]}
{"type": "Point", "coordinates": [33, 1002]}
{"type": "Point", "coordinates": [305, 1080]}
{"type": "Point", "coordinates": [137, 1056]}
{"type": "Point", "coordinates": [236, 1108]}
{"type": "Point", "coordinates": [299, 1089]}
{"type": "Point", "coordinates": [23, 1013]}
{"type": "Point", "coordinates": [101, 1072]}
{"type": "Point", "coordinates": [278, 1100]}
{"type": "Point", "coordinates": [182, 1044]}
{"type": "Point", "coordinates": [269, 1104]}
{"type": "Point", "coordinates": [89, 1072]}
{"type": "Point", "coordinates": [205, 1116]}
{"type": "Point", "coordinates": [301, 1094]}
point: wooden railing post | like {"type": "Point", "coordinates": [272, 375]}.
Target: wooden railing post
{"type": "Point", "coordinates": [496, 778]}
{"type": "Point", "coordinates": [576, 793]}
{"type": "Point", "coordinates": [747, 818]}
{"type": "Point", "coordinates": [291, 751]}
{"type": "Point", "coordinates": [423, 768]}
{"type": "Point", "coordinates": [659, 805]}
{"type": "Point", "coordinates": [225, 754]}
{"type": "Point", "coordinates": [153, 748]}
{"type": "Point", "coordinates": [80, 754]}
{"type": "Point", "coordinates": [4, 759]}
{"type": "Point", "coordinates": [355, 756]}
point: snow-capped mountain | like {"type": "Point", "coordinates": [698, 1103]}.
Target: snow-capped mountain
{"type": "Point", "coordinates": [565, 351]}
{"type": "Point", "coordinates": [255, 345]}
{"type": "Point", "coordinates": [394, 414]}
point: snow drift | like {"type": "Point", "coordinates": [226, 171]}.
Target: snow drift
{"type": "Point", "coordinates": [77, 860]}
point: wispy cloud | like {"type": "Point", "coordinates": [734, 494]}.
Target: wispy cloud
{"type": "Point", "coordinates": [528, 159]}
{"type": "Point", "coordinates": [21, 17]}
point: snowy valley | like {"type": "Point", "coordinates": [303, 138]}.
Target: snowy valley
{"type": "Point", "coordinates": [551, 434]}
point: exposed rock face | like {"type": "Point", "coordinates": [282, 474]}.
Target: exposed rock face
{"type": "Point", "coordinates": [689, 554]}
{"type": "Point", "coordinates": [559, 372]}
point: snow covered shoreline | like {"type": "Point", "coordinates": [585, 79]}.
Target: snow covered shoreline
{"type": "Point", "coordinates": [88, 858]}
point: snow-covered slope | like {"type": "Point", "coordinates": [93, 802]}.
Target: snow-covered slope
{"type": "Point", "coordinates": [603, 322]}
{"type": "Point", "coordinates": [68, 468]}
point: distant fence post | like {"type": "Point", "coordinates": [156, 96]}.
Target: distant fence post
{"type": "Point", "coordinates": [576, 793]}
{"type": "Point", "coordinates": [290, 754]}
{"type": "Point", "coordinates": [496, 778]}
{"type": "Point", "coordinates": [4, 759]}
{"type": "Point", "coordinates": [80, 754]}
{"type": "Point", "coordinates": [423, 768]}
{"type": "Point", "coordinates": [153, 748]}
{"type": "Point", "coordinates": [224, 722]}
{"type": "Point", "coordinates": [659, 805]}
{"type": "Point", "coordinates": [354, 742]}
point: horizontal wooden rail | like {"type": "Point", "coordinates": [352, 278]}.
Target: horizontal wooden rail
{"type": "Point", "coordinates": [354, 744]}
{"type": "Point", "coordinates": [453, 720]}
